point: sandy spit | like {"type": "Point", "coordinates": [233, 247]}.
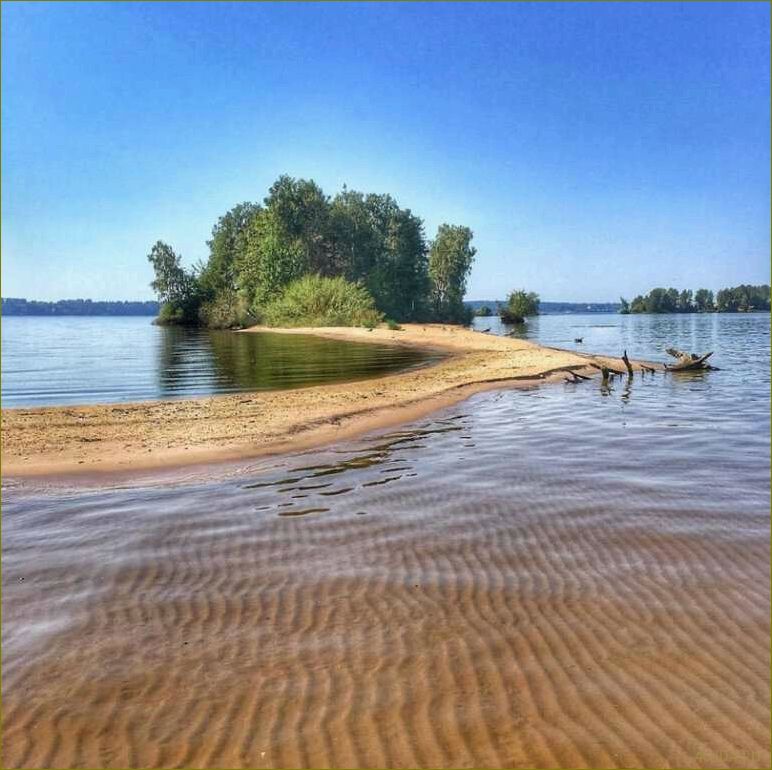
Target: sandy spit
{"type": "Point", "coordinates": [156, 434]}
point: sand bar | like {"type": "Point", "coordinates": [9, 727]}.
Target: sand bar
{"type": "Point", "coordinates": [157, 434]}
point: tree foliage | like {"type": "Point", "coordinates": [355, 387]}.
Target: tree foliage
{"type": "Point", "coordinates": [744, 298]}
{"type": "Point", "coordinates": [450, 262]}
{"type": "Point", "coordinates": [302, 210]}
{"type": "Point", "coordinates": [226, 248]}
{"type": "Point", "coordinates": [520, 305]}
{"type": "Point", "coordinates": [271, 259]}
{"type": "Point", "coordinates": [256, 251]}
{"type": "Point", "coordinates": [177, 289]}
{"type": "Point", "coordinates": [703, 301]}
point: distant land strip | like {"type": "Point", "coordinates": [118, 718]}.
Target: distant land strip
{"type": "Point", "coordinates": [547, 308]}
{"type": "Point", "coordinates": [63, 307]}
{"type": "Point", "coordinates": [15, 306]}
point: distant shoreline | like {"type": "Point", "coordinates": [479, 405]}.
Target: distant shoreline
{"type": "Point", "coordinates": [106, 438]}
{"type": "Point", "coordinates": [12, 306]}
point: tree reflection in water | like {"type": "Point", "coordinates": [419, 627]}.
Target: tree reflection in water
{"type": "Point", "coordinates": [198, 361]}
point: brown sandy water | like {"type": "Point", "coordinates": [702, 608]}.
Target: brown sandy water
{"type": "Point", "coordinates": [565, 577]}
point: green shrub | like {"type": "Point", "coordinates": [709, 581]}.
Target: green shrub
{"type": "Point", "coordinates": [519, 305]}
{"type": "Point", "coordinates": [393, 325]}
{"type": "Point", "coordinates": [317, 301]}
{"type": "Point", "coordinates": [174, 313]}
{"type": "Point", "coordinates": [227, 310]}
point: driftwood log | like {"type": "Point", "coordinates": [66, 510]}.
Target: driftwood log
{"type": "Point", "coordinates": [687, 361]}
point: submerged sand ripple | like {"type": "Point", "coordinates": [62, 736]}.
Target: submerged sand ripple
{"type": "Point", "coordinates": [497, 634]}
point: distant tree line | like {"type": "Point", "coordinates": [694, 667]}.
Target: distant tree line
{"type": "Point", "coordinates": [16, 306]}
{"type": "Point", "coordinates": [493, 307]}
{"type": "Point", "coordinates": [258, 250]}
{"type": "Point", "coordinates": [738, 299]}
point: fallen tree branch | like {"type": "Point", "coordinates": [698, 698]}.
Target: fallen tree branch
{"type": "Point", "coordinates": [627, 364]}
{"type": "Point", "coordinates": [607, 368]}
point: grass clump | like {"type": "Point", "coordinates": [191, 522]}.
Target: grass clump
{"type": "Point", "coordinates": [393, 325]}
{"type": "Point", "coordinates": [317, 301]}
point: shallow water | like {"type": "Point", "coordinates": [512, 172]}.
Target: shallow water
{"type": "Point", "coordinates": [743, 336]}
{"type": "Point", "coordinates": [571, 576]}
{"type": "Point", "coordinates": [81, 360]}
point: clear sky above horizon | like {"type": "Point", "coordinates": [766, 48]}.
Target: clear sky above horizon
{"type": "Point", "coordinates": [596, 149]}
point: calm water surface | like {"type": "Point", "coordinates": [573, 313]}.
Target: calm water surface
{"type": "Point", "coordinates": [79, 360]}
{"type": "Point", "coordinates": [605, 549]}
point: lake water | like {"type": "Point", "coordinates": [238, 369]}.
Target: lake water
{"type": "Point", "coordinates": [81, 360]}
{"type": "Point", "coordinates": [647, 336]}
{"type": "Point", "coordinates": [569, 576]}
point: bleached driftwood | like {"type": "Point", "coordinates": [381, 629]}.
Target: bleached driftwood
{"type": "Point", "coordinates": [687, 361]}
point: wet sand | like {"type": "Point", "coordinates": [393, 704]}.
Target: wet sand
{"type": "Point", "coordinates": [109, 438]}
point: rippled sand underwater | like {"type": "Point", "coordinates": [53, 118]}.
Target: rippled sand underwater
{"type": "Point", "coordinates": [564, 577]}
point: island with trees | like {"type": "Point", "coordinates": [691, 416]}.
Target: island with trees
{"type": "Point", "coordinates": [520, 304]}
{"type": "Point", "coordinates": [737, 299]}
{"type": "Point", "coordinates": [302, 258]}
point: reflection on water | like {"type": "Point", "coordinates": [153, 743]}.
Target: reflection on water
{"type": "Point", "coordinates": [388, 450]}
{"type": "Point", "coordinates": [91, 360]}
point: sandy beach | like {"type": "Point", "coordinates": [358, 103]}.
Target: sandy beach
{"type": "Point", "coordinates": [157, 434]}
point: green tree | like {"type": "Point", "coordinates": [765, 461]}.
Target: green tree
{"type": "Point", "coordinates": [303, 211]}
{"type": "Point", "coordinates": [638, 305]}
{"type": "Point", "coordinates": [520, 305]}
{"type": "Point", "coordinates": [355, 241]}
{"type": "Point", "coordinates": [175, 287]}
{"type": "Point", "coordinates": [226, 246]}
{"type": "Point", "coordinates": [270, 260]}
{"type": "Point", "coordinates": [685, 301]}
{"type": "Point", "coordinates": [703, 299]}
{"type": "Point", "coordinates": [661, 300]}
{"type": "Point", "coordinates": [726, 301]}
{"type": "Point", "coordinates": [450, 262]}
{"type": "Point", "coordinates": [743, 298]}
{"type": "Point", "coordinates": [625, 306]}
{"type": "Point", "coordinates": [384, 246]}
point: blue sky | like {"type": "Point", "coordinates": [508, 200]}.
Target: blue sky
{"type": "Point", "coordinates": [596, 149]}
